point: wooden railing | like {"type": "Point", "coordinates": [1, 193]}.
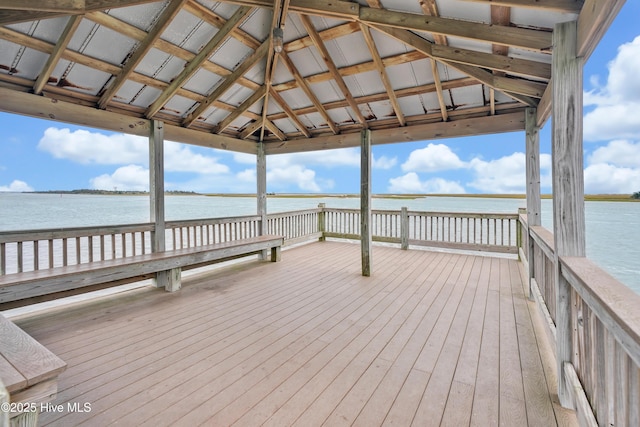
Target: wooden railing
{"type": "Point", "coordinates": [199, 232]}
{"type": "Point", "coordinates": [604, 372]}
{"type": "Point", "coordinates": [466, 231]}
{"type": "Point", "coordinates": [43, 249]}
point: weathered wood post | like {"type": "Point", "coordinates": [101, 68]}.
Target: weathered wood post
{"type": "Point", "coordinates": [568, 182]}
{"type": "Point", "coordinates": [365, 200]}
{"type": "Point", "coordinates": [170, 279]}
{"type": "Point", "coordinates": [533, 184]}
{"type": "Point", "coordinates": [261, 192]}
{"type": "Point", "coordinates": [404, 228]}
{"type": "Point", "coordinates": [321, 221]}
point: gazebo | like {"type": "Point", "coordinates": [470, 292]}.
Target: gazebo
{"type": "Point", "coordinates": [284, 76]}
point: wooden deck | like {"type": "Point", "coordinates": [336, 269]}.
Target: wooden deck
{"type": "Point", "coordinates": [430, 339]}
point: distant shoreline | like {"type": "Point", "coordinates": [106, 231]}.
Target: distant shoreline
{"type": "Point", "coordinates": [587, 197]}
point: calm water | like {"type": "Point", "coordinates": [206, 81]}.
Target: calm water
{"type": "Point", "coordinates": [613, 229]}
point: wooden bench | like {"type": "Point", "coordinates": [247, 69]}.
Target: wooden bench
{"type": "Point", "coordinates": [29, 373]}
{"type": "Point", "coordinates": [23, 288]}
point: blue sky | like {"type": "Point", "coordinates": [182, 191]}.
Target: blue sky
{"type": "Point", "coordinates": [44, 155]}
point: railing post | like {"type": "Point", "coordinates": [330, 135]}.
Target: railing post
{"type": "Point", "coordinates": [568, 184]}
{"type": "Point", "coordinates": [321, 221]}
{"type": "Point", "coordinates": [163, 279]}
{"type": "Point", "coordinates": [404, 228]}
{"type": "Point", "coordinates": [261, 192]}
{"type": "Point", "coordinates": [365, 201]}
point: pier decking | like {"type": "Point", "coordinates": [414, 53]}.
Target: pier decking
{"type": "Point", "coordinates": [432, 338]}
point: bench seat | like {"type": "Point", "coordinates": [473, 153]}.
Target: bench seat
{"type": "Point", "coordinates": [95, 275]}
{"type": "Point", "coordinates": [28, 370]}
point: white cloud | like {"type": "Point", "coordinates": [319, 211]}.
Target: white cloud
{"type": "Point", "coordinates": [304, 178]}
{"type": "Point", "coordinates": [126, 178]}
{"type": "Point", "coordinates": [613, 168]}
{"type": "Point", "coordinates": [180, 158]}
{"type": "Point", "coordinates": [247, 175]}
{"type": "Point", "coordinates": [16, 186]}
{"type": "Point", "coordinates": [616, 104]}
{"type": "Point", "coordinates": [619, 153]}
{"type": "Point", "coordinates": [86, 147]}
{"type": "Point", "coordinates": [432, 158]}
{"type": "Point", "coordinates": [604, 178]}
{"type": "Point", "coordinates": [410, 183]}
{"type": "Point", "coordinates": [383, 162]}
{"type": "Point", "coordinates": [507, 174]}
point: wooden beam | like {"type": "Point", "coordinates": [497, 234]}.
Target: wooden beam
{"type": "Point", "coordinates": [430, 8]}
{"type": "Point", "coordinates": [226, 85]}
{"type": "Point", "coordinates": [135, 33]}
{"type": "Point", "coordinates": [192, 67]}
{"type": "Point", "coordinates": [324, 53]}
{"type": "Point", "coordinates": [453, 128]}
{"type": "Point", "coordinates": [511, 36]}
{"type": "Point", "coordinates": [215, 20]}
{"type": "Point", "coordinates": [141, 51]}
{"type": "Point", "coordinates": [302, 84]}
{"type": "Point", "coordinates": [438, 83]}
{"type": "Point", "coordinates": [365, 201]}
{"type": "Point", "coordinates": [56, 54]}
{"type": "Point", "coordinates": [261, 192]}
{"type": "Point", "coordinates": [63, 6]}
{"type": "Point", "coordinates": [493, 61]}
{"type": "Point", "coordinates": [382, 73]}
{"type": "Point", "coordinates": [255, 97]}
{"type": "Point", "coordinates": [568, 184]}
{"type": "Point", "coordinates": [31, 10]}
{"type": "Point", "coordinates": [512, 87]}
{"type": "Point", "coordinates": [594, 20]}
{"type": "Point", "coordinates": [289, 112]}
{"type": "Point", "coordinates": [251, 128]}
{"type": "Point", "coordinates": [564, 6]}
{"type": "Point", "coordinates": [544, 106]}
{"type": "Point", "coordinates": [57, 109]}
{"type": "Point", "coordinates": [328, 34]}
{"type": "Point", "coordinates": [534, 209]}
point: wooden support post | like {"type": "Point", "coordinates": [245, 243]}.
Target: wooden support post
{"type": "Point", "coordinates": [321, 221]}
{"type": "Point", "coordinates": [365, 200]}
{"type": "Point", "coordinates": [261, 192]}
{"type": "Point", "coordinates": [533, 184]}
{"type": "Point", "coordinates": [156, 194]}
{"type": "Point", "coordinates": [404, 228]}
{"type": "Point", "coordinates": [568, 183]}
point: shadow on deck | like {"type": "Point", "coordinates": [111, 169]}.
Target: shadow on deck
{"type": "Point", "coordinates": [431, 338]}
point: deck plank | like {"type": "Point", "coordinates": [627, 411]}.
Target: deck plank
{"type": "Point", "coordinates": [310, 341]}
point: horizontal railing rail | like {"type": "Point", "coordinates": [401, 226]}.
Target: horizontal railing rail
{"type": "Point", "coordinates": [604, 371]}
{"type": "Point", "coordinates": [28, 250]}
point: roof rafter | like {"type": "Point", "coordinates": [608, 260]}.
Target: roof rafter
{"type": "Point", "coordinates": [518, 89]}
{"type": "Point", "coordinates": [242, 108]}
{"type": "Point", "coordinates": [322, 49]}
{"type": "Point", "coordinates": [289, 112]}
{"type": "Point", "coordinates": [302, 84]}
{"type": "Point", "coordinates": [165, 19]}
{"type": "Point", "coordinates": [56, 54]}
{"type": "Point", "coordinates": [279, 16]}
{"type": "Point", "coordinates": [192, 67]}
{"type": "Point", "coordinates": [512, 36]}
{"type": "Point", "coordinates": [430, 8]}
{"type": "Point", "coordinates": [226, 85]}
{"type": "Point", "coordinates": [15, 11]}
{"type": "Point", "coordinates": [383, 74]}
